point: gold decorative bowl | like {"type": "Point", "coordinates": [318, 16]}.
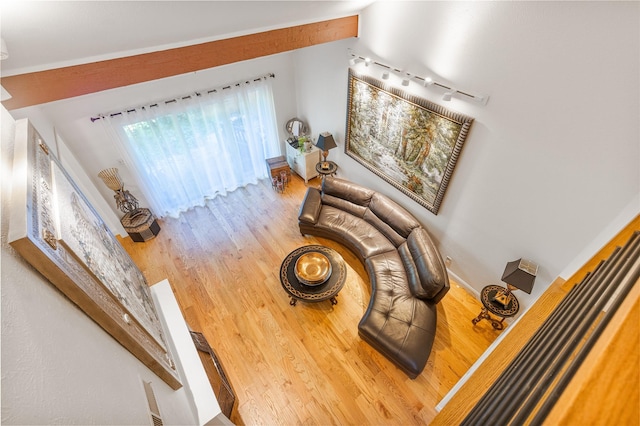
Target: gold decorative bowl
{"type": "Point", "coordinates": [312, 268]}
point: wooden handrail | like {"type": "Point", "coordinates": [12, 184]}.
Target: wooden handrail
{"type": "Point", "coordinates": [468, 396]}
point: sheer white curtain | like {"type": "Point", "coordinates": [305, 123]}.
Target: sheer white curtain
{"type": "Point", "coordinates": [186, 151]}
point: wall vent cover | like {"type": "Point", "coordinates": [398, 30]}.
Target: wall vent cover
{"type": "Point", "coordinates": [154, 411]}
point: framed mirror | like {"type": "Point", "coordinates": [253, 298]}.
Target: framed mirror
{"type": "Point", "coordinates": [296, 127]}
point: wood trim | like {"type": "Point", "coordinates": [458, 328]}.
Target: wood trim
{"type": "Point", "coordinates": [67, 82]}
{"type": "Point", "coordinates": [606, 251]}
{"type": "Point", "coordinates": [471, 392]}
{"type": "Point", "coordinates": [605, 388]}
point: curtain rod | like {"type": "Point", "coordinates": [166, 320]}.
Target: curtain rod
{"type": "Point", "coordinates": [168, 101]}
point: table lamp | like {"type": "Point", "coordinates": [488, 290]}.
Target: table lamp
{"type": "Point", "coordinates": [124, 200]}
{"type": "Point", "coordinates": [325, 143]}
{"type": "Point", "coordinates": [518, 275]}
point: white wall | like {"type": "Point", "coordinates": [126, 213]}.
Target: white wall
{"type": "Point", "coordinates": [58, 366]}
{"type": "Point", "coordinates": [553, 157]}
{"type": "Point", "coordinates": [93, 146]}
{"type": "Point", "coordinates": [548, 164]}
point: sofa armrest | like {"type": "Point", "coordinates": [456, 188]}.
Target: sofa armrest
{"type": "Point", "coordinates": [311, 205]}
{"type": "Point", "coordinates": [431, 271]}
{"type": "Point", "coordinates": [438, 297]}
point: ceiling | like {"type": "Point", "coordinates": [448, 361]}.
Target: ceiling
{"type": "Point", "coordinates": [42, 35]}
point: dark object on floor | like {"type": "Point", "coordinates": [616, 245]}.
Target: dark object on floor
{"type": "Point", "coordinates": [141, 225]}
{"type": "Point", "coordinates": [215, 372]}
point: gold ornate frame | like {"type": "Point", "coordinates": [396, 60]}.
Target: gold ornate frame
{"type": "Point", "coordinates": [58, 232]}
{"type": "Point", "coordinates": [408, 141]}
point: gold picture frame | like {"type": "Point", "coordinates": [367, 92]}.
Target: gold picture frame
{"type": "Point", "coordinates": [59, 233]}
{"type": "Point", "coordinates": [408, 141]}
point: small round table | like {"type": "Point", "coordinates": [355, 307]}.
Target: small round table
{"type": "Point", "coordinates": [317, 293]}
{"type": "Point", "coordinates": [330, 168]}
{"type": "Point", "coordinates": [487, 297]}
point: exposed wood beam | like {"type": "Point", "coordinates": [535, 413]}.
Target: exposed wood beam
{"type": "Point", "coordinates": [67, 82]}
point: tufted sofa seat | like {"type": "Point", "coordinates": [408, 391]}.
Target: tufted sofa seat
{"type": "Point", "coordinates": [407, 274]}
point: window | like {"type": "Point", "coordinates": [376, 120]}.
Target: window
{"type": "Point", "coordinates": [188, 150]}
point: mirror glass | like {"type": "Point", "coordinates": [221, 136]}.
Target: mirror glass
{"type": "Point", "coordinates": [296, 127]}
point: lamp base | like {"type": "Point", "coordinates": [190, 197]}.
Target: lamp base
{"type": "Point", "coordinates": [502, 298]}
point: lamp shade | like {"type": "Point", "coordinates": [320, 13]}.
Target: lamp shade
{"type": "Point", "coordinates": [325, 141]}
{"type": "Point", "coordinates": [111, 178]}
{"type": "Point", "coordinates": [521, 274]}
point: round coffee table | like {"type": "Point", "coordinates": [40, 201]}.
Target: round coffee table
{"type": "Point", "coordinates": [328, 290]}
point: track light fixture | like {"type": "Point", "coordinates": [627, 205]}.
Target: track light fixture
{"type": "Point", "coordinates": [406, 77]}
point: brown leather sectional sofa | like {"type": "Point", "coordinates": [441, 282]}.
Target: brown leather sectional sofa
{"type": "Point", "coordinates": [408, 276]}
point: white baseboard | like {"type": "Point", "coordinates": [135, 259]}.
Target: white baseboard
{"type": "Point", "coordinates": [464, 284]}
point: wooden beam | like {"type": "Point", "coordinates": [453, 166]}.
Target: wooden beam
{"type": "Point", "coordinates": [67, 82]}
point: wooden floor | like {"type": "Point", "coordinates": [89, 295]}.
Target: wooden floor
{"type": "Point", "coordinates": [303, 364]}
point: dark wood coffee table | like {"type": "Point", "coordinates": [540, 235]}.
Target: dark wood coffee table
{"type": "Point", "coordinates": [316, 293]}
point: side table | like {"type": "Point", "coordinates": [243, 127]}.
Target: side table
{"type": "Point", "coordinates": [276, 165]}
{"type": "Point", "coordinates": [326, 168]}
{"type": "Point", "coordinates": [141, 225]}
{"type": "Point", "coordinates": [488, 299]}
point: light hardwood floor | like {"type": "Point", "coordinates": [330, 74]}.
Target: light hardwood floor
{"type": "Point", "coordinates": [303, 364]}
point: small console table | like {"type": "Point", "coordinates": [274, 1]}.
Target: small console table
{"type": "Point", "coordinates": [491, 305]}
{"type": "Point", "coordinates": [303, 163]}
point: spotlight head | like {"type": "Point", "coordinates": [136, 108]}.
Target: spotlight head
{"type": "Point", "coordinates": [447, 96]}
{"type": "Point", "coordinates": [385, 75]}
{"type": "Point", "coordinates": [428, 81]}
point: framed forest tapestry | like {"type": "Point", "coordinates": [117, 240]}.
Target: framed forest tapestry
{"type": "Point", "coordinates": [408, 141]}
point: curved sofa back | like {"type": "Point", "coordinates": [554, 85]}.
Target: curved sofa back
{"type": "Point", "coordinates": [407, 274]}
{"type": "Point", "coordinates": [387, 216]}
{"type": "Point", "coordinates": [427, 274]}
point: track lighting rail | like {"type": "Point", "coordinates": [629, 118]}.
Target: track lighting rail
{"type": "Point", "coordinates": [406, 77]}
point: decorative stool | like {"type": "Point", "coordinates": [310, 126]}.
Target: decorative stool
{"type": "Point", "coordinates": [279, 171]}
{"type": "Point", "coordinates": [141, 225]}
{"type": "Point", "coordinates": [285, 177]}
{"type": "Point", "coordinates": [276, 165]}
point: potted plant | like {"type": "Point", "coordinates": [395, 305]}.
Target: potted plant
{"type": "Point", "coordinates": [304, 143]}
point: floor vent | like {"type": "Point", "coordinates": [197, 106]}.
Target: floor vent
{"type": "Point", "coordinates": [154, 411]}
